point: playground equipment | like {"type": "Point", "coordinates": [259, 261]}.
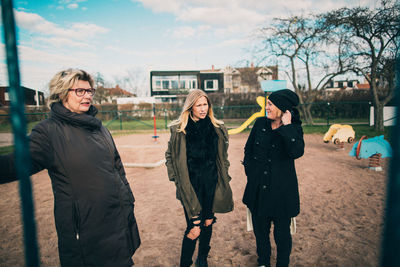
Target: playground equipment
{"type": "Point", "coordinates": [339, 134]}
{"type": "Point", "coordinates": [261, 102]}
{"type": "Point", "coordinates": [373, 148]}
{"type": "Point", "coordinates": [155, 136]}
{"type": "Point", "coordinates": [266, 86]}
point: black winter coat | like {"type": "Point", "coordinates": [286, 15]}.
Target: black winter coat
{"type": "Point", "coordinates": [272, 187]}
{"type": "Point", "coordinates": [93, 203]}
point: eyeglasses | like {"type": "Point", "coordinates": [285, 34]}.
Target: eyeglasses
{"type": "Point", "coordinates": [82, 91]}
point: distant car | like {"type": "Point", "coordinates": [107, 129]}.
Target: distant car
{"type": "Point", "coordinates": [339, 133]}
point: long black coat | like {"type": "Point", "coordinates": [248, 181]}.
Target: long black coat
{"type": "Point", "coordinates": [272, 187]}
{"type": "Point", "coordinates": [93, 203]}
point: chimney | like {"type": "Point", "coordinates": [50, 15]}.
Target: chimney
{"type": "Point", "coordinates": [212, 67]}
{"type": "Point", "coordinates": [252, 65]}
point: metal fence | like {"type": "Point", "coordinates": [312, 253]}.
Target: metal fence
{"type": "Point", "coordinates": [322, 112]}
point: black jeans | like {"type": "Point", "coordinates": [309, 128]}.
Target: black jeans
{"type": "Point", "coordinates": [189, 245]}
{"type": "Point", "coordinates": [283, 239]}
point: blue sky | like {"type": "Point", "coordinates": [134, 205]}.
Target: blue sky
{"type": "Point", "coordinates": [128, 38]}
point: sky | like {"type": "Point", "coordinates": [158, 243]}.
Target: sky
{"type": "Point", "coordinates": [129, 38]}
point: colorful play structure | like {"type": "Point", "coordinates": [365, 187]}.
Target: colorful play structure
{"type": "Point", "coordinates": [266, 86]}
{"type": "Point", "coordinates": [261, 102]}
{"type": "Point", "coordinates": [339, 133]}
{"type": "Point", "coordinates": [373, 148]}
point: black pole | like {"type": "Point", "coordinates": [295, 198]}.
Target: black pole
{"type": "Point", "coordinates": [329, 111]}
{"type": "Point", "coordinates": [22, 157]}
{"type": "Point", "coordinates": [391, 232]}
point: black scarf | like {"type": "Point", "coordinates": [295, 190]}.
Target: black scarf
{"type": "Point", "coordinates": [85, 120]}
{"type": "Point", "coordinates": [201, 151]}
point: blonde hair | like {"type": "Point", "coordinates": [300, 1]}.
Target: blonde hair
{"type": "Point", "coordinates": [191, 99]}
{"type": "Point", "coordinates": [65, 80]}
{"type": "Point", "coordinates": [279, 113]}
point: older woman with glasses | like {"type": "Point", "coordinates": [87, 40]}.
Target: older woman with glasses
{"type": "Point", "coordinates": [93, 202]}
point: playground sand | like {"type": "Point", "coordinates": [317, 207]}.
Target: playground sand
{"type": "Point", "coordinates": [340, 222]}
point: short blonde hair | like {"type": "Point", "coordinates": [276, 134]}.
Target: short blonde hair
{"type": "Point", "coordinates": [65, 80]}
{"type": "Point", "coordinates": [191, 99]}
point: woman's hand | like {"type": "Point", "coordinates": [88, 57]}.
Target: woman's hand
{"type": "Point", "coordinates": [194, 232]}
{"type": "Point", "coordinates": [286, 118]}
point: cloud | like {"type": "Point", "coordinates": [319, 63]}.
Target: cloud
{"type": "Point", "coordinates": [242, 12]}
{"type": "Point", "coordinates": [30, 54]}
{"type": "Point", "coordinates": [73, 6]}
{"type": "Point", "coordinates": [185, 32]}
{"type": "Point", "coordinates": [62, 42]}
{"type": "Point", "coordinates": [38, 25]}
{"type": "Point", "coordinates": [130, 52]}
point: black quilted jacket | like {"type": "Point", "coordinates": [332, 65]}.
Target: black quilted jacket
{"type": "Point", "coordinates": [93, 203]}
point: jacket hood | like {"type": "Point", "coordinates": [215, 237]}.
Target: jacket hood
{"type": "Point", "coordinates": [86, 120]}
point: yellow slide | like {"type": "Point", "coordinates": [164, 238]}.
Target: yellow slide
{"type": "Point", "coordinates": [261, 113]}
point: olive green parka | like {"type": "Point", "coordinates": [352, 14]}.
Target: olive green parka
{"type": "Point", "coordinates": [176, 163]}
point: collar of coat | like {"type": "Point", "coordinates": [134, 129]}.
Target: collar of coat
{"type": "Point", "coordinates": [86, 120]}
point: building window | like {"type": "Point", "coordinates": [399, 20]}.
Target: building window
{"type": "Point", "coordinates": [157, 85]}
{"type": "Point", "coordinates": [340, 84]}
{"type": "Point", "coordinates": [211, 85]}
{"type": "Point", "coordinates": [350, 84]}
{"type": "Point", "coordinates": [174, 84]}
{"type": "Point", "coordinates": [165, 84]}
{"type": "Point", "coordinates": [182, 84]}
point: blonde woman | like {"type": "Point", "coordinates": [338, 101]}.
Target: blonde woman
{"type": "Point", "coordinates": [93, 202]}
{"type": "Point", "coordinates": [197, 161]}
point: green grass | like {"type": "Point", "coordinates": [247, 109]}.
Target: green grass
{"type": "Point", "coordinates": [7, 128]}
{"type": "Point", "coordinates": [360, 130]}
{"type": "Point", "coordinates": [343, 120]}
{"type": "Point", "coordinates": [6, 150]}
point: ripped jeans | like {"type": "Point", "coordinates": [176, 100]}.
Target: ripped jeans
{"type": "Point", "coordinates": [189, 245]}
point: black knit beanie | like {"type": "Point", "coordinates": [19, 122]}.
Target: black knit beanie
{"type": "Point", "coordinates": [284, 99]}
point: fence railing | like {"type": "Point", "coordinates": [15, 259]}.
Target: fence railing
{"type": "Point", "coordinates": [322, 113]}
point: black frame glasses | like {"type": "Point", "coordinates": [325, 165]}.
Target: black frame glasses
{"type": "Point", "coordinates": [82, 91]}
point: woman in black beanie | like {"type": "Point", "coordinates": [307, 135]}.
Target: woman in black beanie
{"type": "Point", "coordinates": [271, 192]}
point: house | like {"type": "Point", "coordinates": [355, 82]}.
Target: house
{"type": "Point", "coordinates": [362, 86]}
{"type": "Point", "coordinates": [32, 97]}
{"type": "Point", "coordinates": [165, 86]}
{"type": "Point", "coordinates": [111, 95]}
{"type": "Point", "coordinates": [247, 79]}
{"type": "Point", "coordinates": [341, 84]}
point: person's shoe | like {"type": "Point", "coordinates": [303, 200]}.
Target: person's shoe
{"type": "Point", "coordinates": [201, 262]}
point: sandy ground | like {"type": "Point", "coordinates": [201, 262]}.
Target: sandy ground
{"type": "Point", "coordinates": [340, 222]}
{"type": "Point", "coordinates": [6, 139]}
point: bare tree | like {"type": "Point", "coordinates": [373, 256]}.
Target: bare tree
{"type": "Point", "coordinates": [304, 50]}
{"type": "Point", "coordinates": [372, 38]}
{"type": "Point", "coordinates": [102, 94]}
{"type": "Point", "coordinates": [135, 80]}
